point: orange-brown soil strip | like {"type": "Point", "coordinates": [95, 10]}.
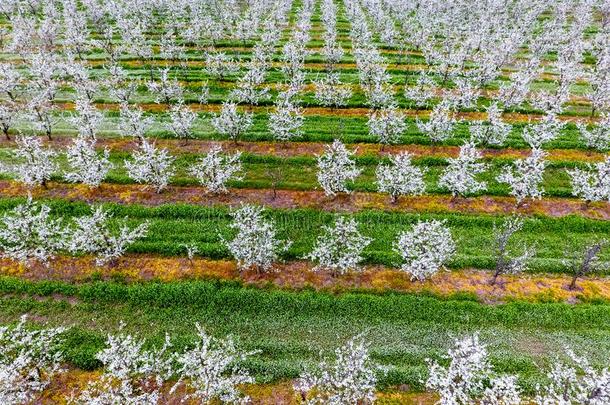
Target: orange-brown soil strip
{"type": "Point", "coordinates": [299, 274]}
{"type": "Point", "coordinates": [300, 149]}
{"type": "Point", "coordinates": [74, 380]}
{"type": "Point", "coordinates": [139, 194]}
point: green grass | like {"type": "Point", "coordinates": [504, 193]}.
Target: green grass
{"type": "Point", "coordinates": [292, 328]}
{"type": "Point", "coordinates": [175, 224]}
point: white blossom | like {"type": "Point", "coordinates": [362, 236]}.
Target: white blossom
{"type": "Point", "coordinates": [507, 260]}
{"type": "Point", "coordinates": [439, 126]}
{"type": "Point", "coordinates": [425, 248]}
{"type": "Point", "coordinates": [400, 177]}
{"type": "Point", "coordinates": [525, 176]}
{"type": "Point", "coordinates": [256, 243]}
{"type": "Point", "coordinates": [460, 176]}
{"type": "Point", "coordinates": [133, 123]}
{"type": "Point", "coordinates": [93, 234]}
{"type": "Point", "coordinates": [335, 168]}
{"type": "Point", "coordinates": [330, 92]}
{"type": "Point", "coordinates": [37, 163]}
{"type": "Point", "coordinates": [131, 376]}
{"type": "Point", "coordinates": [494, 131]}
{"type": "Point", "coordinates": [286, 121]}
{"type": "Point", "coordinates": [469, 378]}
{"type": "Point", "coordinates": [181, 121]}
{"type": "Point", "coordinates": [29, 359]}
{"type": "Point", "coordinates": [211, 369]}
{"type": "Point", "coordinates": [350, 378]}
{"type": "Point", "coordinates": [87, 166]}
{"type": "Point", "coordinates": [599, 136]}
{"type": "Point", "coordinates": [576, 383]}
{"type": "Point", "coordinates": [28, 233]}
{"type": "Point", "coordinates": [88, 118]}
{"type": "Point", "coordinates": [592, 184]}
{"type": "Point", "coordinates": [150, 165]}
{"type": "Point", "coordinates": [215, 169]}
{"type": "Point", "coordinates": [422, 92]}
{"type": "Point", "coordinates": [386, 124]}
{"type": "Point", "coordinates": [340, 247]}
{"type": "Point", "coordinates": [230, 122]}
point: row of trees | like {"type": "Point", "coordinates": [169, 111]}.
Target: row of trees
{"type": "Point", "coordinates": [212, 369]}
{"type": "Point", "coordinates": [31, 234]}
{"type": "Point", "coordinates": [336, 168]}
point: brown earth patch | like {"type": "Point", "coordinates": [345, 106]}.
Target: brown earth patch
{"type": "Point", "coordinates": [139, 194]}
{"type": "Point", "coordinates": [300, 274]}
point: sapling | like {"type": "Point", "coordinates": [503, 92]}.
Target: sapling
{"type": "Point", "coordinates": [340, 247]}
{"type": "Point", "coordinates": [400, 177]}
{"type": "Point", "coordinates": [506, 262]}
{"type": "Point", "coordinates": [215, 169]}
{"type": "Point", "coordinates": [256, 244]}
{"type": "Point", "coordinates": [93, 234]}
{"type": "Point", "coordinates": [335, 168]}
{"type": "Point", "coordinates": [150, 165]}
{"type": "Point", "coordinates": [425, 248]}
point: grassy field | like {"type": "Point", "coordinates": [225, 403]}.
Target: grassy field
{"type": "Point", "coordinates": [294, 320]}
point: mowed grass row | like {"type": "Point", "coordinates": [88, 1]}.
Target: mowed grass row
{"type": "Point", "coordinates": [292, 328]}
{"type": "Point", "coordinates": [300, 173]}
{"type": "Point", "coordinates": [316, 128]}
{"type": "Point", "coordinates": [173, 225]}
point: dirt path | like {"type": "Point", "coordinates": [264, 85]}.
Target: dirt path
{"type": "Point", "coordinates": [139, 194]}
{"type": "Point", "coordinates": [310, 149]}
{"type": "Point", "coordinates": [297, 275]}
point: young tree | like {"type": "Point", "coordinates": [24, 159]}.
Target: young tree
{"type": "Point", "coordinates": [494, 131]}
{"type": "Point", "coordinates": [386, 124]}
{"type": "Point", "coordinates": [181, 122]}
{"type": "Point", "coordinates": [150, 165]}
{"type": "Point", "coordinates": [93, 234]}
{"type": "Point", "coordinates": [286, 121]}
{"type": "Point", "coordinates": [330, 92]}
{"type": "Point", "coordinates": [576, 383]}
{"type": "Point", "coordinates": [592, 184]}
{"type": "Point", "coordinates": [29, 234]}
{"type": "Point", "coordinates": [87, 120]}
{"type": "Point", "coordinates": [422, 92]}
{"type": "Point", "coordinates": [165, 89]}
{"type": "Point", "coordinates": [469, 378]}
{"type": "Point", "coordinates": [460, 177]}
{"type": "Point", "coordinates": [525, 177]}
{"type": "Point", "coordinates": [340, 247]}
{"type": "Point", "coordinates": [335, 168]}
{"type": "Point", "coordinates": [400, 177]}
{"type": "Point", "coordinates": [131, 374]}
{"type": "Point", "coordinates": [506, 261]}
{"type": "Point", "coordinates": [230, 122]}
{"type": "Point", "coordinates": [587, 261]}
{"type": "Point", "coordinates": [350, 378]}
{"type": "Point", "coordinates": [250, 89]}
{"type": "Point", "coordinates": [8, 116]}
{"type": "Point", "coordinates": [215, 169]}
{"type": "Point", "coordinates": [219, 65]}
{"type": "Point", "coordinates": [256, 244]}
{"type": "Point", "coordinates": [439, 126]}
{"type": "Point", "coordinates": [29, 359]}
{"type": "Point", "coordinates": [37, 163]}
{"type": "Point", "coordinates": [425, 248]}
{"type": "Point", "coordinates": [210, 370]}
{"type": "Point", "coordinates": [86, 165]}
{"type": "Point", "coordinates": [597, 137]}
{"type": "Point", "coordinates": [133, 123]}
